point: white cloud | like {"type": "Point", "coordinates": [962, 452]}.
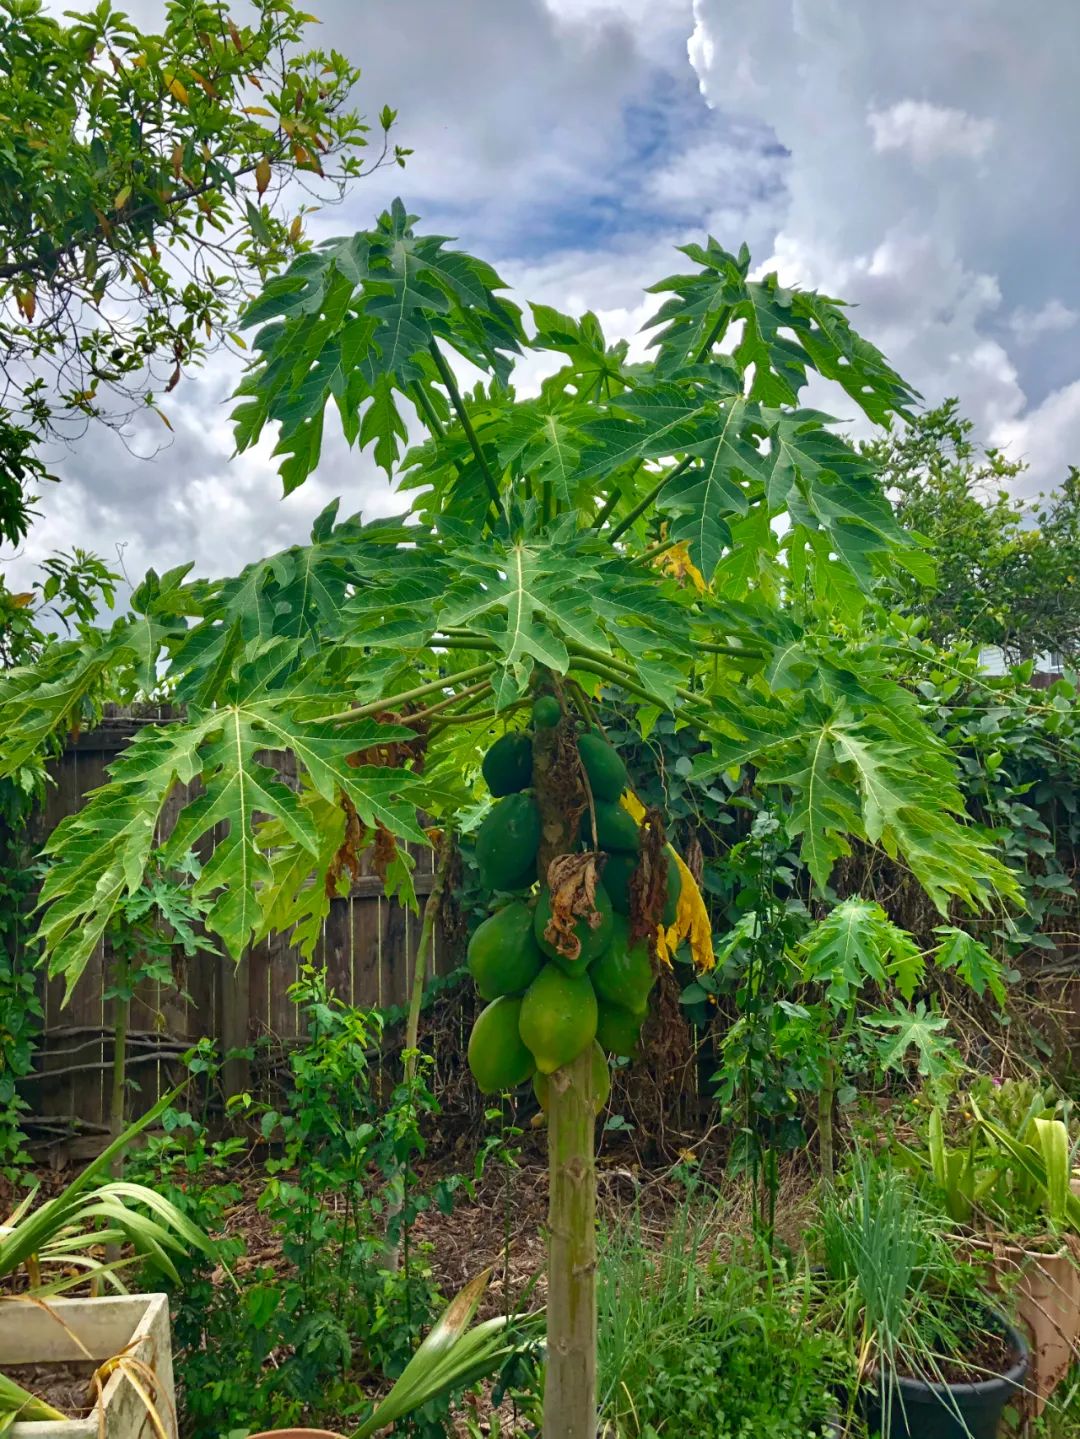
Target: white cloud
{"type": "Point", "coordinates": [929, 132]}
{"type": "Point", "coordinates": [1053, 318]}
{"type": "Point", "coordinates": [952, 270]}
{"type": "Point", "coordinates": [732, 172]}
{"type": "Point", "coordinates": [1047, 438]}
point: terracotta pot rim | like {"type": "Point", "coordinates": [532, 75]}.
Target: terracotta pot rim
{"type": "Point", "coordinates": [297, 1434]}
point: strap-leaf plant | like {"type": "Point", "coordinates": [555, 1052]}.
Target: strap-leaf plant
{"type": "Point", "coordinates": [546, 547]}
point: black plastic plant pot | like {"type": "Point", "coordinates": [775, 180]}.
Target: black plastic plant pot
{"type": "Point", "coordinates": [951, 1411]}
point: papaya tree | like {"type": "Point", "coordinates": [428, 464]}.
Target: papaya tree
{"type": "Point", "coordinates": [683, 533]}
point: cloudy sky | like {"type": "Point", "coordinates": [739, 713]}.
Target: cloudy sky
{"type": "Point", "coordinates": [917, 160]}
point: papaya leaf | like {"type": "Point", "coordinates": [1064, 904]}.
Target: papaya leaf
{"type": "Point", "coordinates": [971, 960]}
{"type": "Point", "coordinates": [107, 843]}
{"type": "Point", "coordinates": [857, 944]}
{"type": "Point", "coordinates": [915, 1032]}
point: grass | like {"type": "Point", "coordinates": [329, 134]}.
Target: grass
{"type": "Point", "coordinates": [693, 1344]}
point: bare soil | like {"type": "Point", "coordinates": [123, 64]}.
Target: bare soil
{"type": "Point", "coordinates": [985, 1356]}
{"type": "Point", "coordinates": [66, 1386]}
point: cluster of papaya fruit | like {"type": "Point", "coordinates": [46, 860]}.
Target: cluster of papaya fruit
{"type": "Point", "coordinates": [544, 1008]}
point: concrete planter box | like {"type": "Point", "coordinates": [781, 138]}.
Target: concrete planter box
{"type": "Point", "coordinates": [135, 1325]}
{"type": "Point", "coordinates": [1045, 1288]}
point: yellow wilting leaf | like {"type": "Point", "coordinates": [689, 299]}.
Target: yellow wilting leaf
{"type": "Point", "coordinates": [122, 197]}
{"type": "Point", "coordinates": [677, 563]}
{"type": "Point", "coordinates": [296, 229]}
{"type": "Point", "coordinates": [178, 160]}
{"type": "Point", "coordinates": [20, 602]}
{"type": "Point", "coordinates": [691, 916]}
{"type": "Point", "coordinates": [206, 84]}
{"type": "Point", "coordinates": [633, 806]}
{"type": "Point", "coordinates": [691, 922]}
{"type": "Point", "coordinates": [258, 110]}
{"type": "Point", "coordinates": [262, 175]}
{"type": "Point", "coordinates": [177, 90]}
{"type": "Point", "coordinates": [162, 416]}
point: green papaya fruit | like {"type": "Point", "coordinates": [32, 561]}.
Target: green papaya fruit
{"type": "Point", "coordinates": [623, 974]}
{"type": "Point", "coordinates": [503, 957]}
{"type": "Point", "coordinates": [618, 1030]}
{"type": "Point", "coordinates": [498, 1057]}
{"type": "Point", "coordinates": [546, 712]}
{"type": "Point", "coordinates": [558, 1017]}
{"type": "Point", "coordinates": [607, 773]}
{"type": "Point", "coordinates": [601, 1081]}
{"type": "Point", "coordinates": [507, 842]}
{"type": "Point", "coordinates": [593, 941]}
{"type": "Point", "coordinates": [507, 766]}
{"type": "Point", "coordinates": [616, 828]}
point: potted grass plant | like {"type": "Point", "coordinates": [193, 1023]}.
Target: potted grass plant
{"type": "Point", "coordinates": [934, 1358]}
{"type": "Point", "coordinates": [1006, 1179]}
{"type": "Point", "coordinates": [113, 1350]}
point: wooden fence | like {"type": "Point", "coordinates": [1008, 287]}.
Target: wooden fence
{"type": "Point", "coordinates": [368, 947]}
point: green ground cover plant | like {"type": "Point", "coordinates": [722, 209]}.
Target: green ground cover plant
{"type": "Point", "coordinates": [351, 1297]}
{"type": "Point", "coordinates": [707, 1334]}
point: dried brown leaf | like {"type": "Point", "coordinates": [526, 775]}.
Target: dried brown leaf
{"type": "Point", "coordinates": [572, 880]}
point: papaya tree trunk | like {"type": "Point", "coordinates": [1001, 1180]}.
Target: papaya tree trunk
{"type": "Point", "coordinates": [826, 1100]}
{"type": "Point", "coordinates": [570, 1390]}
{"type": "Point", "coordinates": [570, 1386]}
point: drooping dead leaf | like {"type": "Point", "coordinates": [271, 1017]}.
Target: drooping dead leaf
{"type": "Point", "coordinates": [572, 880]}
{"type": "Point", "coordinates": [396, 753]}
{"type": "Point", "coordinates": [386, 851]}
{"type": "Point", "coordinates": [648, 884]}
{"type": "Point", "coordinates": [692, 918]}
{"type": "Point", "coordinates": [349, 851]}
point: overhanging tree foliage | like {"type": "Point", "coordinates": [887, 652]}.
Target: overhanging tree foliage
{"type": "Point", "coordinates": [1007, 571]}
{"type": "Point", "coordinates": [147, 181]}
{"type": "Point", "coordinates": [684, 531]}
